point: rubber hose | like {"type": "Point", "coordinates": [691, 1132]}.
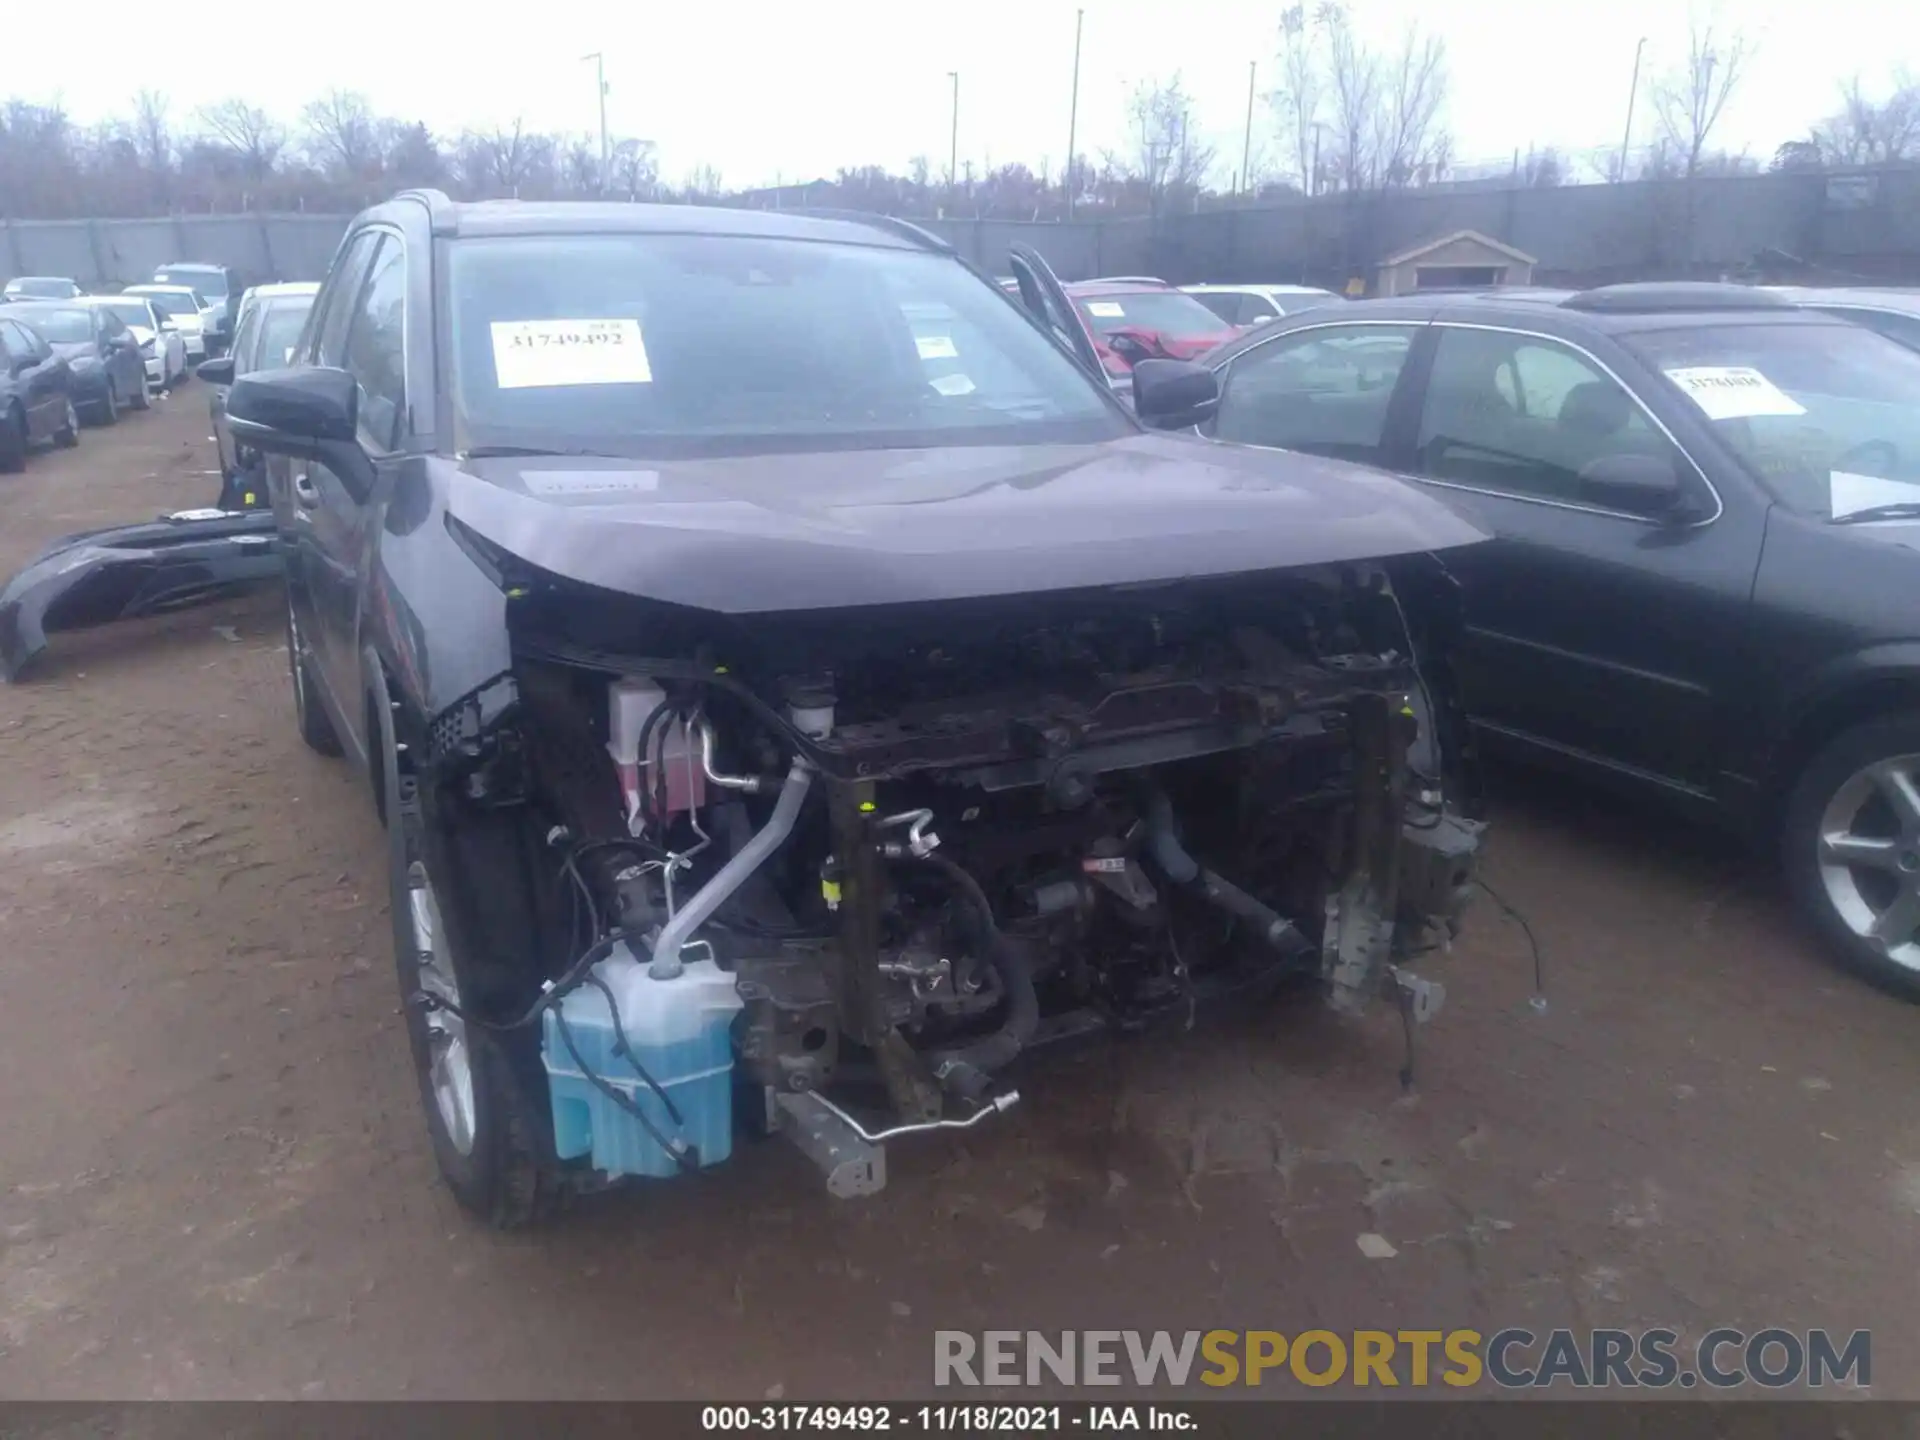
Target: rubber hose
{"type": "Point", "coordinates": [996, 1051]}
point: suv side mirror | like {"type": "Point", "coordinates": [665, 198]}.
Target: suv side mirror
{"type": "Point", "coordinates": [1642, 483]}
{"type": "Point", "coordinates": [1173, 394]}
{"type": "Point", "coordinates": [310, 413]}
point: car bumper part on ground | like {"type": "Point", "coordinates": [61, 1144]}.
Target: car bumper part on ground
{"type": "Point", "coordinates": [132, 570]}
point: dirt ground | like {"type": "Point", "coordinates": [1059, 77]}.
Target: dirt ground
{"type": "Point", "coordinates": [214, 1181]}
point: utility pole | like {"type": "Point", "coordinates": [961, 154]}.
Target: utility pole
{"type": "Point", "coordinates": [1073, 108]}
{"type": "Point", "coordinates": [953, 142]}
{"type": "Point", "coordinates": [600, 89]}
{"type": "Point", "coordinates": [1633, 94]}
{"type": "Point", "coordinates": [1246, 146]}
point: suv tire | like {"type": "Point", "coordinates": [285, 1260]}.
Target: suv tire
{"type": "Point", "coordinates": [1851, 848]}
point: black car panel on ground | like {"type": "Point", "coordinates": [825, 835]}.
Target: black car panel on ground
{"type": "Point", "coordinates": [109, 370]}
{"type": "Point", "coordinates": [36, 394]}
{"type": "Point", "coordinates": [1706, 507]}
{"type": "Point", "coordinates": [765, 626]}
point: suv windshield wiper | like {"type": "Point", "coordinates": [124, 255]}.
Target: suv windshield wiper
{"type": "Point", "coordinates": [1897, 510]}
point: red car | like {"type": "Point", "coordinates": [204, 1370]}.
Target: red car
{"type": "Point", "coordinates": [1138, 319]}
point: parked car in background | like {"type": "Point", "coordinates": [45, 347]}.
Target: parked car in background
{"type": "Point", "coordinates": [218, 292]}
{"type": "Point", "coordinates": [1705, 577]}
{"type": "Point", "coordinates": [36, 394]}
{"type": "Point", "coordinates": [1258, 304]}
{"type": "Point", "coordinates": [185, 309]}
{"type": "Point", "coordinates": [41, 287]}
{"type": "Point", "coordinates": [109, 371]}
{"type": "Point", "coordinates": [1895, 313]}
{"type": "Point", "coordinates": [162, 350]}
{"type": "Point", "coordinates": [271, 320]}
{"type": "Point", "coordinates": [1136, 318]}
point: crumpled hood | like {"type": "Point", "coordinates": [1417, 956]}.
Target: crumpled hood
{"type": "Point", "coordinates": [74, 352]}
{"type": "Point", "coordinates": [825, 530]}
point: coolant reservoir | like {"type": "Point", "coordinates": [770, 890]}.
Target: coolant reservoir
{"type": "Point", "coordinates": [629, 704]}
{"type": "Point", "coordinates": [679, 1031]}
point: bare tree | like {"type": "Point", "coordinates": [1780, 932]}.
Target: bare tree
{"type": "Point", "coordinates": [342, 134]}
{"type": "Point", "coordinates": [248, 132]}
{"type": "Point", "coordinates": [1689, 98]}
{"type": "Point", "coordinates": [1169, 158]}
{"type": "Point", "coordinates": [152, 135]}
{"type": "Point", "coordinates": [1866, 131]}
{"type": "Point", "coordinates": [1298, 97]}
{"type": "Point", "coordinates": [636, 168]}
{"type": "Point", "coordinates": [1411, 145]}
{"type": "Point", "coordinates": [1353, 89]}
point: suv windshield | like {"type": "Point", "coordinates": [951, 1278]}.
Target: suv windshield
{"type": "Point", "coordinates": [1826, 416]}
{"type": "Point", "coordinates": [703, 344]}
{"type": "Point", "coordinates": [1172, 313]}
{"type": "Point", "coordinates": [206, 282]}
{"type": "Point", "coordinates": [60, 326]}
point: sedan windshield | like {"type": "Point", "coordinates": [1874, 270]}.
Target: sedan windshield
{"type": "Point", "coordinates": [207, 282]}
{"type": "Point", "coordinates": [41, 287]}
{"type": "Point", "coordinates": [172, 303]}
{"type": "Point", "coordinates": [131, 312]}
{"type": "Point", "coordinates": [280, 326]}
{"type": "Point", "coordinates": [1172, 313]}
{"type": "Point", "coordinates": [59, 325]}
{"type": "Point", "coordinates": [701, 344]}
{"type": "Point", "coordinates": [1826, 416]}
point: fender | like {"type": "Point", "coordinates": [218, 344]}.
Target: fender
{"type": "Point", "coordinates": [100, 576]}
{"type": "Point", "coordinates": [1834, 689]}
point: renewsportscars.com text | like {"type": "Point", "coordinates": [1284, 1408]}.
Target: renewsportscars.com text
{"type": "Point", "coordinates": [1656, 1359]}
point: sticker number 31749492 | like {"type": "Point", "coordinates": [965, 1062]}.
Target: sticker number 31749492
{"type": "Point", "coordinates": [529, 353]}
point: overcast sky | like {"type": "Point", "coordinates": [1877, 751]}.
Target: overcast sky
{"type": "Point", "coordinates": [761, 90]}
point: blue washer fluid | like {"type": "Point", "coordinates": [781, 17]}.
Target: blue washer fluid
{"type": "Point", "coordinates": [680, 1032]}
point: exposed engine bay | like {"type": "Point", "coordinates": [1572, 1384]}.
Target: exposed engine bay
{"type": "Point", "coordinates": [834, 873]}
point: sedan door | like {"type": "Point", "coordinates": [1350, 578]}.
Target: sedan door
{"type": "Point", "coordinates": [1605, 624]}
{"type": "Point", "coordinates": [41, 380]}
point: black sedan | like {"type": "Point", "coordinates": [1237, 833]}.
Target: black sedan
{"type": "Point", "coordinates": [109, 372]}
{"type": "Point", "coordinates": [36, 394]}
{"type": "Point", "coordinates": [1705, 576]}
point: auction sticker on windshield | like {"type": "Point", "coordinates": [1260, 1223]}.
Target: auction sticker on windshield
{"type": "Point", "coordinates": [529, 353]}
{"type": "Point", "coordinates": [936, 347]}
{"type": "Point", "coordinates": [1734, 392]}
{"type": "Point", "coordinates": [1105, 309]}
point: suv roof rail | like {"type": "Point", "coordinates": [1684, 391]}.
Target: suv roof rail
{"type": "Point", "coordinates": [893, 225]}
{"type": "Point", "coordinates": [1655, 297]}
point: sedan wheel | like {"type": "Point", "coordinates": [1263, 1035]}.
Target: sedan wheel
{"type": "Point", "coordinates": [13, 443]}
{"type": "Point", "coordinates": [109, 411]}
{"type": "Point", "coordinates": [68, 435]}
{"type": "Point", "coordinates": [143, 397]}
{"type": "Point", "coordinates": [1853, 838]}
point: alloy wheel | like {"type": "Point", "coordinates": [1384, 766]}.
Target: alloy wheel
{"type": "Point", "coordinates": [1869, 841]}
{"type": "Point", "coordinates": [450, 1066]}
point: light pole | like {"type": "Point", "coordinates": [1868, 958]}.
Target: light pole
{"type": "Point", "coordinates": [953, 142]}
{"type": "Point", "coordinates": [600, 90]}
{"type": "Point", "coordinates": [1633, 94]}
{"type": "Point", "coordinates": [1073, 107]}
{"type": "Point", "coordinates": [1246, 145]}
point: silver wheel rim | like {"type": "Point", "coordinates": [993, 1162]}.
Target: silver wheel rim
{"type": "Point", "coordinates": [73, 418]}
{"type": "Point", "coordinates": [449, 1066]}
{"type": "Point", "coordinates": [1870, 857]}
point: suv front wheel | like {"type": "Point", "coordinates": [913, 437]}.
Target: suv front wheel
{"type": "Point", "coordinates": [1852, 848]}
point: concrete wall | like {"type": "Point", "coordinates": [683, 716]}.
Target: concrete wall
{"type": "Point", "coordinates": [1865, 224]}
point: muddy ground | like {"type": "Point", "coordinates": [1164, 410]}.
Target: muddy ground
{"type": "Point", "coordinates": [214, 1181]}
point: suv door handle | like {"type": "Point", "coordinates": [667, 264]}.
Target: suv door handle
{"type": "Point", "coordinates": [304, 490]}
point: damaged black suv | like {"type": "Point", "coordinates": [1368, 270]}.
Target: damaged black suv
{"type": "Point", "coordinates": [794, 687]}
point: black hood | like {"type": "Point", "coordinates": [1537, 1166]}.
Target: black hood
{"type": "Point", "coordinates": [74, 350]}
{"type": "Point", "coordinates": [879, 527]}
